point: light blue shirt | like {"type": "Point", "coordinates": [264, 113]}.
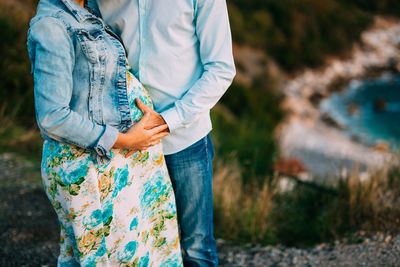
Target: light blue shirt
{"type": "Point", "coordinates": [181, 50]}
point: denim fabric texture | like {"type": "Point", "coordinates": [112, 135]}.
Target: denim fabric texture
{"type": "Point", "coordinates": [181, 51]}
{"type": "Point", "coordinates": [79, 69]}
{"type": "Point", "coordinates": [191, 175]}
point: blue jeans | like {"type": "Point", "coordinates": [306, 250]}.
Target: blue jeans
{"type": "Point", "coordinates": [191, 175]}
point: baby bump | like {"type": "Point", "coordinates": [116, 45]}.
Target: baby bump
{"type": "Point", "coordinates": [136, 90]}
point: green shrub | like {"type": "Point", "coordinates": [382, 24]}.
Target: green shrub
{"type": "Point", "coordinates": [16, 86]}
{"type": "Point", "coordinates": [249, 133]}
{"type": "Point", "coordinates": [298, 33]}
{"type": "Point", "coordinates": [18, 131]}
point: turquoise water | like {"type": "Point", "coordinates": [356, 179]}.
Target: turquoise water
{"type": "Point", "coordinates": [365, 123]}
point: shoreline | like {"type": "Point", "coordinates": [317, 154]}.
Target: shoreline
{"type": "Point", "coordinates": [325, 149]}
{"type": "Point", "coordinates": [358, 119]}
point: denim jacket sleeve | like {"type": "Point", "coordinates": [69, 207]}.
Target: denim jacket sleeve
{"type": "Point", "coordinates": [215, 41]}
{"type": "Point", "coordinates": [52, 55]}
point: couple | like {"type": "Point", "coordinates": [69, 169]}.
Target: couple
{"type": "Point", "coordinates": [103, 166]}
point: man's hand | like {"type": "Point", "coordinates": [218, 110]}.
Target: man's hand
{"type": "Point", "coordinates": [155, 118]}
{"type": "Point", "coordinates": [138, 138]}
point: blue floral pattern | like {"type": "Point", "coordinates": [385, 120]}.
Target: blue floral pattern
{"type": "Point", "coordinates": [118, 214]}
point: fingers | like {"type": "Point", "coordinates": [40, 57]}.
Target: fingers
{"type": "Point", "coordinates": [158, 129]}
{"type": "Point", "coordinates": [156, 138]}
{"type": "Point", "coordinates": [142, 106]}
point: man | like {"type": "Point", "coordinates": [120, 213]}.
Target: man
{"type": "Point", "coordinates": [181, 50]}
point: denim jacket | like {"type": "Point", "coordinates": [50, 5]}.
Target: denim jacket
{"type": "Point", "coordinates": [79, 68]}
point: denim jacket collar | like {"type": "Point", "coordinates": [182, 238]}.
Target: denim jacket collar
{"type": "Point", "coordinates": [93, 7]}
{"type": "Point", "coordinates": [80, 13]}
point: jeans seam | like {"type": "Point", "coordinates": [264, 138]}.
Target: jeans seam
{"type": "Point", "coordinates": [209, 197]}
{"type": "Point", "coordinates": [206, 143]}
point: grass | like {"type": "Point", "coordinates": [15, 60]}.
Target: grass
{"type": "Point", "coordinates": [241, 215]}
{"type": "Point", "coordinates": [304, 216]}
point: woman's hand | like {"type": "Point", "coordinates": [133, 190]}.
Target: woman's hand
{"type": "Point", "coordinates": [139, 138]}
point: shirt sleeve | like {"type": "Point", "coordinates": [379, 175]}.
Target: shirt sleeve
{"type": "Point", "coordinates": [215, 43]}
{"type": "Point", "coordinates": [52, 55]}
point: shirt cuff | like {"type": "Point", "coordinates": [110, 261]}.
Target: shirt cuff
{"type": "Point", "coordinates": [106, 142]}
{"type": "Point", "coordinates": [172, 119]}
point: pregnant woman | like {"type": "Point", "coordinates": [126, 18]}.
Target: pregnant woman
{"type": "Point", "coordinates": [102, 169]}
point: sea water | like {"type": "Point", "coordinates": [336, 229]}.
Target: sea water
{"type": "Point", "coordinates": [355, 109]}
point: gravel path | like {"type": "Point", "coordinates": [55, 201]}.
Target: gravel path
{"type": "Point", "coordinates": [375, 250]}
{"type": "Point", "coordinates": [29, 233]}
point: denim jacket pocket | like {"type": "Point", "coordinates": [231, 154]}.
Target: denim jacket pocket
{"type": "Point", "coordinates": [92, 45]}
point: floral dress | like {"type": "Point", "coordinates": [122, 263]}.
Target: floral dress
{"type": "Point", "coordinates": [121, 213]}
